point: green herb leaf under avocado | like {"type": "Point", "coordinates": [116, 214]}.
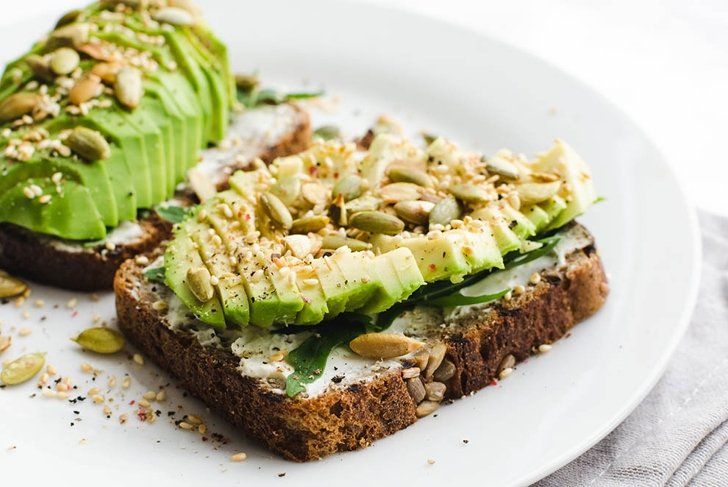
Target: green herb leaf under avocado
{"type": "Point", "coordinates": [173, 214]}
{"type": "Point", "coordinates": [155, 274]}
{"type": "Point", "coordinates": [254, 97]}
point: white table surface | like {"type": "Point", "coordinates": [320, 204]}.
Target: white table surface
{"type": "Point", "coordinates": [664, 62]}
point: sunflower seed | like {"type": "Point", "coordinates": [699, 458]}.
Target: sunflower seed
{"type": "Point", "coordinates": [40, 68]}
{"type": "Point", "coordinates": [174, 16]}
{"type": "Point", "coordinates": [315, 193]}
{"type": "Point", "coordinates": [198, 280]}
{"type": "Point", "coordinates": [445, 211]}
{"type": "Point", "coordinates": [403, 174]}
{"type": "Point", "coordinates": [508, 362]}
{"type": "Point", "coordinates": [349, 187]}
{"type": "Point", "coordinates": [128, 87]}
{"type": "Point", "coordinates": [425, 408]}
{"type": "Point", "coordinates": [394, 192]}
{"type": "Point", "coordinates": [17, 105]}
{"type": "Point", "coordinates": [416, 212]}
{"type": "Point", "coordinates": [88, 144]}
{"type": "Point", "coordinates": [85, 89]}
{"type": "Point", "coordinates": [437, 354]}
{"type": "Point", "coordinates": [416, 389]}
{"type": "Point", "coordinates": [377, 222]}
{"type": "Point", "coordinates": [22, 369]}
{"type": "Point", "coordinates": [435, 391]}
{"type": "Point", "coordinates": [100, 340]}
{"type": "Point", "coordinates": [97, 50]}
{"type": "Point", "coordinates": [383, 345]}
{"type": "Point", "coordinates": [64, 60]}
{"type": "Point", "coordinates": [312, 223]}
{"type": "Point", "coordinates": [276, 210]}
{"type": "Point", "coordinates": [445, 371]}
{"type": "Point", "coordinates": [11, 286]}
{"type": "Point", "coordinates": [333, 242]}
{"type": "Point", "coordinates": [532, 193]}
{"type": "Point", "coordinates": [363, 203]}
{"type": "Point", "coordinates": [469, 193]}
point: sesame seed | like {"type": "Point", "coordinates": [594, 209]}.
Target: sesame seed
{"type": "Point", "coordinates": [45, 199]}
{"type": "Point", "coordinates": [57, 177]}
{"type": "Point", "coordinates": [202, 429]}
{"type": "Point", "coordinates": [144, 403]}
{"type": "Point", "coordinates": [25, 314]}
{"type": "Point", "coordinates": [72, 303]}
{"type": "Point", "coordinates": [98, 398]}
{"type": "Point", "coordinates": [37, 190]}
{"type": "Point", "coordinates": [142, 259]}
{"type": "Point", "coordinates": [110, 245]}
{"type": "Point", "coordinates": [122, 418]}
{"type": "Point", "coordinates": [518, 290]}
{"type": "Point", "coordinates": [505, 373]}
{"type": "Point", "coordinates": [24, 332]}
{"type": "Point", "coordinates": [138, 359]}
{"type": "Point", "coordinates": [239, 457]}
{"type": "Point", "coordinates": [86, 367]}
{"type": "Point", "coordinates": [276, 357]}
{"type": "Point", "coordinates": [161, 395]}
{"type": "Point", "coordinates": [192, 419]}
{"type": "Point", "coordinates": [93, 391]}
{"type": "Point", "coordinates": [39, 303]}
{"type": "Point", "coordinates": [126, 383]}
{"type": "Point", "coordinates": [535, 278]}
{"type": "Point", "coordinates": [150, 395]}
{"type": "Point", "coordinates": [107, 411]}
{"type": "Point", "coordinates": [544, 347]}
{"type": "Point", "coordinates": [508, 296]}
{"type": "Point", "coordinates": [112, 381]}
{"type": "Point", "coordinates": [185, 426]}
{"type": "Point", "coordinates": [28, 193]}
{"type": "Point", "coordinates": [51, 370]}
{"type": "Point", "coordinates": [430, 461]}
{"type": "Point", "coordinates": [43, 379]}
{"type": "Point", "coordinates": [214, 280]}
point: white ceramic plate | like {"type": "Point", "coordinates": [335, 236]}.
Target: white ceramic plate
{"type": "Point", "coordinates": [434, 76]}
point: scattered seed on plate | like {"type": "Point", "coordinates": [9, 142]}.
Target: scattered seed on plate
{"type": "Point", "coordinates": [22, 369]}
{"type": "Point", "coordinates": [72, 303]}
{"type": "Point", "coordinates": [123, 418]}
{"type": "Point", "coordinates": [161, 396]}
{"type": "Point", "coordinates": [100, 340]}
{"type": "Point", "coordinates": [51, 369]}
{"type": "Point", "coordinates": [126, 382]}
{"type": "Point", "coordinates": [239, 457]}
{"type": "Point", "coordinates": [24, 332]}
{"type": "Point", "coordinates": [544, 347]}
{"type": "Point", "coordinates": [138, 359]}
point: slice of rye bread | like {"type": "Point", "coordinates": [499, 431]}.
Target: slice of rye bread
{"type": "Point", "coordinates": [350, 416]}
{"type": "Point", "coordinates": [268, 132]}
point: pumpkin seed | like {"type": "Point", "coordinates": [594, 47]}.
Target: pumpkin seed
{"type": "Point", "coordinates": [64, 60]}
{"type": "Point", "coordinates": [445, 211]}
{"type": "Point", "coordinates": [100, 340]}
{"type": "Point", "coordinates": [288, 188]}
{"type": "Point", "coordinates": [85, 89]}
{"type": "Point", "coordinates": [437, 355]}
{"type": "Point", "coordinates": [246, 82]}
{"type": "Point", "coordinates": [384, 345]}
{"type": "Point", "coordinates": [68, 18]}
{"type": "Point", "coordinates": [363, 203]}
{"type": "Point", "coordinates": [198, 280]}
{"type": "Point", "coordinates": [350, 187]}
{"type": "Point", "coordinates": [377, 222]}
{"type": "Point", "coordinates": [70, 35]}
{"type": "Point", "coordinates": [315, 193]}
{"type": "Point", "coordinates": [276, 210]}
{"type": "Point", "coordinates": [174, 16]}
{"type": "Point", "coordinates": [11, 286]}
{"type": "Point", "coordinates": [392, 193]}
{"type": "Point", "coordinates": [333, 242]}
{"type": "Point", "coordinates": [128, 87]}
{"type": "Point", "coordinates": [469, 193]}
{"type": "Point", "coordinates": [106, 71]}
{"type": "Point", "coordinates": [327, 132]}
{"type": "Point", "coordinates": [22, 369]}
{"type": "Point", "coordinates": [312, 223]}
{"type": "Point", "coordinates": [89, 144]}
{"type": "Point", "coordinates": [338, 211]}
{"type": "Point", "coordinates": [17, 105]}
{"type": "Point", "coordinates": [416, 212]}
{"type": "Point", "coordinates": [40, 68]}
{"type": "Point", "coordinates": [500, 166]}
{"type": "Point", "coordinates": [403, 174]}
{"type": "Point", "coordinates": [532, 193]}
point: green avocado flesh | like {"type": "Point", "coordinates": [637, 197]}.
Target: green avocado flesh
{"type": "Point", "coordinates": [273, 265]}
{"type": "Point", "coordinates": [187, 93]}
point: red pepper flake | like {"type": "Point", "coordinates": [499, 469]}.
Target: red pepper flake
{"type": "Point", "coordinates": [141, 414]}
{"type": "Point", "coordinates": [432, 267]}
{"type": "Point", "coordinates": [247, 216]}
{"type": "Point", "coordinates": [74, 314]}
{"type": "Point", "coordinates": [131, 403]}
{"type": "Point", "coordinates": [312, 170]}
{"type": "Point", "coordinates": [493, 382]}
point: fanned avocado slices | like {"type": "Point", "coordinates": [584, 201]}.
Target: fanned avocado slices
{"type": "Point", "coordinates": [118, 100]}
{"type": "Point", "coordinates": [333, 230]}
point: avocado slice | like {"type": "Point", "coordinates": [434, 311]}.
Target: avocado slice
{"type": "Point", "coordinates": [397, 276]}
{"type": "Point", "coordinates": [314, 302]}
{"type": "Point", "coordinates": [537, 216]}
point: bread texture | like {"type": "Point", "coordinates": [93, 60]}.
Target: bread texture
{"type": "Point", "coordinates": [347, 418]}
{"type": "Point", "coordinates": [69, 265]}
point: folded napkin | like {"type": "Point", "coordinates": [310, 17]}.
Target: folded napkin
{"type": "Point", "coordinates": [679, 434]}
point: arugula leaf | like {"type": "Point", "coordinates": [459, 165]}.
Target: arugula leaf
{"type": "Point", "coordinates": [304, 95]}
{"type": "Point", "coordinates": [327, 132]}
{"type": "Point", "coordinates": [599, 199]}
{"type": "Point", "coordinates": [155, 274]}
{"type": "Point", "coordinates": [254, 97]}
{"type": "Point", "coordinates": [457, 299]}
{"type": "Point", "coordinates": [171, 213]}
{"type": "Point", "coordinates": [309, 359]}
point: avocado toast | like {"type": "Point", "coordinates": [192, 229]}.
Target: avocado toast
{"type": "Point", "coordinates": [100, 122]}
{"type": "Point", "coordinates": [338, 295]}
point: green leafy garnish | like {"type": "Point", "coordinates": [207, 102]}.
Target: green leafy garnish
{"type": "Point", "coordinates": [171, 213]}
{"type": "Point", "coordinates": [309, 359]}
{"type": "Point", "coordinates": [599, 199]}
{"type": "Point", "coordinates": [155, 274]}
{"type": "Point", "coordinates": [252, 97]}
{"type": "Point", "coordinates": [457, 299]}
{"type": "Point", "coordinates": [327, 132]}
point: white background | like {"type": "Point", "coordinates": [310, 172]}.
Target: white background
{"type": "Point", "coordinates": [664, 62]}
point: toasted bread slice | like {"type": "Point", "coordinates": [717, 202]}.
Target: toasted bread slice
{"type": "Point", "coordinates": [266, 133]}
{"type": "Point", "coordinates": [351, 413]}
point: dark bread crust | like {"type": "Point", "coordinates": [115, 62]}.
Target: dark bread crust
{"type": "Point", "coordinates": [31, 255]}
{"type": "Point", "coordinates": [346, 419]}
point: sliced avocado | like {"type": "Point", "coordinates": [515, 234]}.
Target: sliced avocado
{"type": "Point", "coordinates": [290, 301]}
{"type": "Point", "coordinates": [314, 302]}
{"type": "Point", "coordinates": [537, 216]}
{"type": "Point", "coordinates": [437, 258]}
{"type": "Point", "coordinates": [69, 214]}
{"type": "Point", "coordinates": [553, 207]}
{"type": "Point", "coordinates": [397, 276]}
{"type": "Point", "coordinates": [480, 248]}
{"type": "Point", "coordinates": [181, 256]}
{"type": "Point", "coordinates": [180, 142]}
{"type": "Point", "coordinates": [506, 238]}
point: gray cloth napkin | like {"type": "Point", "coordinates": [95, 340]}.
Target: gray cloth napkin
{"type": "Point", "coordinates": [679, 434]}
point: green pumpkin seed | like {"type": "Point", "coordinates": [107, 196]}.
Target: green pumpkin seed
{"type": "Point", "coordinates": [174, 16]}
{"type": "Point", "coordinates": [469, 193]}
{"type": "Point", "coordinates": [276, 210]}
{"type": "Point", "coordinates": [392, 193]}
{"type": "Point", "coordinates": [40, 68]}
{"type": "Point", "coordinates": [22, 369]}
{"type": "Point", "coordinates": [333, 242]}
{"type": "Point", "coordinates": [100, 340]}
{"type": "Point", "coordinates": [70, 35]}
{"type": "Point", "coordinates": [350, 187]}
{"type": "Point", "coordinates": [307, 224]}
{"type": "Point", "coordinates": [17, 105]}
{"type": "Point", "coordinates": [363, 203]}
{"type": "Point", "coordinates": [338, 211]}
{"type": "Point", "coordinates": [403, 174]}
{"type": "Point", "coordinates": [199, 282]}
{"type": "Point", "coordinates": [377, 222]}
{"type": "Point", "coordinates": [327, 132]}
{"type": "Point", "coordinates": [64, 60]}
{"type": "Point", "coordinates": [445, 211]}
{"type": "Point", "coordinates": [246, 82]}
{"type": "Point", "coordinates": [68, 18]}
{"type": "Point", "coordinates": [416, 212]}
{"type": "Point", "coordinates": [88, 144]}
{"type": "Point", "coordinates": [128, 87]}
{"type": "Point", "coordinates": [532, 193]}
{"type": "Point", "coordinates": [500, 166]}
{"type": "Point", "coordinates": [11, 286]}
